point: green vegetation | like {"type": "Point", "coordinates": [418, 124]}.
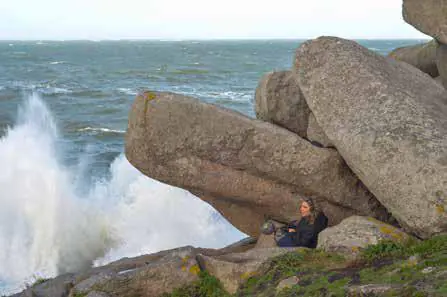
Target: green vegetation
{"type": "Point", "coordinates": [390, 249]}
{"type": "Point", "coordinates": [419, 267]}
{"type": "Point", "coordinates": [304, 264]}
{"type": "Point", "coordinates": [39, 280]}
{"type": "Point", "coordinates": [206, 286]}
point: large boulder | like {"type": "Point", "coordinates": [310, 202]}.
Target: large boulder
{"type": "Point", "coordinates": [388, 121]}
{"type": "Point", "coordinates": [247, 169]}
{"type": "Point", "coordinates": [421, 56]}
{"type": "Point", "coordinates": [234, 269]}
{"type": "Point", "coordinates": [356, 233]}
{"type": "Point", "coordinates": [278, 100]}
{"type": "Point", "coordinates": [428, 16]}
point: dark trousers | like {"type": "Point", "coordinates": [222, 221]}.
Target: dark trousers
{"type": "Point", "coordinates": [286, 241]}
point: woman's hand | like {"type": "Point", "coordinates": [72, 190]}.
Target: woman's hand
{"type": "Point", "coordinates": [292, 230]}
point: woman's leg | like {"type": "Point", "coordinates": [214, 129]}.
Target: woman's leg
{"type": "Point", "coordinates": [285, 241]}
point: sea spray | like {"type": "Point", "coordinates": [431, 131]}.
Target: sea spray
{"type": "Point", "coordinates": [51, 222]}
{"type": "Point", "coordinates": [45, 229]}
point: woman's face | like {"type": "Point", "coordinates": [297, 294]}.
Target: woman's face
{"type": "Point", "coordinates": [305, 209]}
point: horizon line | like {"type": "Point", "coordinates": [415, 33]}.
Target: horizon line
{"type": "Point", "coordinates": [211, 39]}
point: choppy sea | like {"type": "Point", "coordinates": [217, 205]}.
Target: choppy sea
{"type": "Point", "coordinates": [68, 197]}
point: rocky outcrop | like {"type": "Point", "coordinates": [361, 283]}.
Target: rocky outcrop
{"type": "Point", "coordinates": [57, 287]}
{"type": "Point", "coordinates": [421, 56]}
{"type": "Point", "coordinates": [387, 121]}
{"type": "Point", "coordinates": [354, 234]}
{"type": "Point", "coordinates": [234, 269]}
{"type": "Point", "coordinates": [176, 269]}
{"type": "Point", "coordinates": [316, 135]}
{"type": "Point", "coordinates": [247, 169]}
{"type": "Point", "coordinates": [278, 100]}
{"type": "Point", "coordinates": [428, 16]}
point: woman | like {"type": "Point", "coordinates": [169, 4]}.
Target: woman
{"type": "Point", "coordinates": [304, 232]}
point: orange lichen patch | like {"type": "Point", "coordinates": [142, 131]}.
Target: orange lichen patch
{"type": "Point", "coordinates": [391, 231]}
{"type": "Point", "coordinates": [194, 269]}
{"type": "Point", "coordinates": [185, 259]}
{"type": "Point", "coordinates": [248, 274]}
{"type": "Point", "coordinates": [355, 249]}
{"type": "Point", "coordinates": [440, 209]}
{"type": "Point", "coordinates": [149, 96]}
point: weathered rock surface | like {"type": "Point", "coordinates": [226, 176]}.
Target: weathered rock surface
{"type": "Point", "coordinates": [57, 287]}
{"type": "Point", "coordinates": [316, 134]}
{"type": "Point", "coordinates": [287, 283]}
{"type": "Point", "coordinates": [428, 16]}
{"type": "Point", "coordinates": [442, 63]}
{"type": "Point", "coordinates": [421, 56]}
{"type": "Point", "coordinates": [247, 169]}
{"type": "Point", "coordinates": [388, 122]}
{"type": "Point", "coordinates": [178, 268]}
{"type": "Point", "coordinates": [279, 101]}
{"type": "Point", "coordinates": [97, 294]}
{"type": "Point", "coordinates": [233, 269]}
{"type": "Point", "coordinates": [439, 80]}
{"type": "Point", "coordinates": [356, 233]}
{"type": "Point", "coordinates": [374, 290]}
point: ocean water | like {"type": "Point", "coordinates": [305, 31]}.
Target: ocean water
{"type": "Point", "coordinates": [68, 197]}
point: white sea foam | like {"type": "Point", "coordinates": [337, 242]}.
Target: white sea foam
{"type": "Point", "coordinates": [104, 130]}
{"type": "Point", "coordinates": [127, 91]}
{"type": "Point", "coordinates": [57, 62]}
{"type": "Point", "coordinates": [48, 228]}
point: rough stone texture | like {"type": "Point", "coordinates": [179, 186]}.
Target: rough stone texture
{"type": "Point", "coordinates": [178, 268]}
{"type": "Point", "coordinates": [439, 80]}
{"type": "Point", "coordinates": [97, 294]}
{"type": "Point", "coordinates": [421, 56]}
{"type": "Point", "coordinates": [57, 287]}
{"type": "Point", "coordinates": [388, 122]}
{"type": "Point", "coordinates": [374, 290]}
{"type": "Point", "coordinates": [442, 64]}
{"type": "Point", "coordinates": [428, 16]}
{"type": "Point", "coordinates": [287, 283]}
{"type": "Point", "coordinates": [279, 101]}
{"type": "Point", "coordinates": [356, 233]}
{"type": "Point", "coordinates": [233, 269]}
{"type": "Point", "coordinates": [247, 169]}
{"type": "Point", "coordinates": [316, 134]}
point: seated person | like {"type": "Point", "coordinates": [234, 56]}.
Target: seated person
{"type": "Point", "coordinates": [305, 232]}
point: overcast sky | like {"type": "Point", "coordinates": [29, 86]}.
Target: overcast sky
{"type": "Point", "coordinates": [202, 19]}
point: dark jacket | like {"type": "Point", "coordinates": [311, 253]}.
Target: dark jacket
{"type": "Point", "coordinates": [306, 234]}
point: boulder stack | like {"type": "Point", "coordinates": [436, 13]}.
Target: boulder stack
{"type": "Point", "coordinates": [388, 122]}
{"type": "Point", "coordinates": [247, 169]}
